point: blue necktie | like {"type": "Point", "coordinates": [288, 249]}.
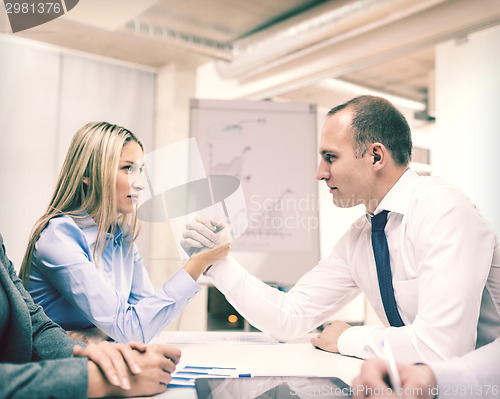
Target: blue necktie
{"type": "Point", "coordinates": [382, 260]}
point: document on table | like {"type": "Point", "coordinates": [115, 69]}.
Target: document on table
{"type": "Point", "coordinates": [216, 337]}
{"type": "Point", "coordinates": [186, 374]}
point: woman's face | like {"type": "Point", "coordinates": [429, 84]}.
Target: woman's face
{"type": "Point", "coordinates": [129, 180]}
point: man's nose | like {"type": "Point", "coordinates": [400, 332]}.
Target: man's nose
{"type": "Point", "coordinates": [322, 173]}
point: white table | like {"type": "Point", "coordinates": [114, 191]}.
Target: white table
{"type": "Point", "coordinates": [234, 349]}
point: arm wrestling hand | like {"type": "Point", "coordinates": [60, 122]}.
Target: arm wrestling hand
{"type": "Point", "coordinates": [197, 264]}
{"type": "Point", "coordinates": [417, 381]}
{"type": "Point", "coordinates": [199, 233]}
{"type": "Point", "coordinates": [329, 337]}
{"type": "Point", "coordinates": [157, 363]}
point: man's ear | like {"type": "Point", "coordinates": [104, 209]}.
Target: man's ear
{"type": "Point", "coordinates": [378, 153]}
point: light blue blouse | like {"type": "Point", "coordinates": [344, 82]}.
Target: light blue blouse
{"type": "Point", "coordinates": [117, 296]}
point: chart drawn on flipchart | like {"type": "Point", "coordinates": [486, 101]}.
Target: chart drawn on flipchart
{"type": "Point", "coordinates": [244, 145]}
{"type": "Point", "coordinates": [233, 167]}
{"type": "Point", "coordinates": [228, 131]}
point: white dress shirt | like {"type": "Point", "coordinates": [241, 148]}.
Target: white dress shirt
{"type": "Point", "coordinates": [445, 263]}
{"type": "Point", "coordinates": [475, 375]}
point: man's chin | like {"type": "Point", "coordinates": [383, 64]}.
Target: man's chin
{"type": "Point", "coordinates": [343, 203]}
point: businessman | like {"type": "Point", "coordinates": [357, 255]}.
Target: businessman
{"type": "Point", "coordinates": [424, 255]}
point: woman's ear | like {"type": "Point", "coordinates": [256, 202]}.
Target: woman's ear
{"type": "Point", "coordinates": [85, 180]}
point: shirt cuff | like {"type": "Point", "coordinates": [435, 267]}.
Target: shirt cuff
{"type": "Point", "coordinates": [181, 287]}
{"type": "Point", "coordinates": [226, 273]}
{"type": "Point", "coordinates": [451, 373]}
{"type": "Point", "coordinates": [352, 341]}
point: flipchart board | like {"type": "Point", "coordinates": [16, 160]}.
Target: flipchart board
{"type": "Point", "coordinates": [270, 151]}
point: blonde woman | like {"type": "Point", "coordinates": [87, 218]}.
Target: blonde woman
{"type": "Point", "coordinates": [82, 265]}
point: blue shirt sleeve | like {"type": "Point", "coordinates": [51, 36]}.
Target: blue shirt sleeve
{"type": "Point", "coordinates": [141, 283]}
{"type": "Point", "coordinates": [63, 256]}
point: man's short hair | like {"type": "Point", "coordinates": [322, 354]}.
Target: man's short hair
{"type": "Point", "coordinates": [374, 119]}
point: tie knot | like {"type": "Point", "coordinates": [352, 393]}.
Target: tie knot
{"type": "Point", "coordinates": [379, 221]}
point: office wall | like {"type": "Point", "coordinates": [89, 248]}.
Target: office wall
{"type": "Point", "coordinates": [175, 86]}
{"type": "Point", "coordinates": [468, 119]}
{"type": "Point", "coordinates": [29, 81]}
{"type": "Point", "coordinates": [47, 93]}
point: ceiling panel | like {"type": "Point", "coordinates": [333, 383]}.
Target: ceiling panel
{"type": "Point", "coordinates": [107, 18]}
{"type": "Point", "coordinates": [405, 76]}
{"type": "Point", "coordinates": [228, 21]}
{"type": "Point", "coordinates": [222, 20]}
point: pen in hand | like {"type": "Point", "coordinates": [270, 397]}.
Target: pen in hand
{"type": "Point", "coordinates": [392, 369]}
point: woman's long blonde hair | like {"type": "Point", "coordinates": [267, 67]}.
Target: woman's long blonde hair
{"type": "Point", "coordinates": [94, 154]}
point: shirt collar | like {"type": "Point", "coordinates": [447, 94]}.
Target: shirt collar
{"type": "Point", "coordinates": [89, 230]}
{"type": "Point", "coordinates": [399, 196]}
{"type": "Point", "coordinates": [118, 236]}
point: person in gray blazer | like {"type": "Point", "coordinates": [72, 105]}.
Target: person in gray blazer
{"type": "Point", "coordinates": [38, 359]}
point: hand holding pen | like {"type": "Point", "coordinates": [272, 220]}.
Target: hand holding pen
{"type": "Point", "coordinates": [407, 381]}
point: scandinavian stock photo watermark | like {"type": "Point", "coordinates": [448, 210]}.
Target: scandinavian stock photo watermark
{"type": "Point", "coordinates": [293, 213]}
{"type": "Point", "coordinates": [177, 187]}
{"type": "Point", "coordinates": [333, 391]}
{"type": "Point", "coordinates": [283, 213]}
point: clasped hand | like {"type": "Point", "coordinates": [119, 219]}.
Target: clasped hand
{"type": "Point", "coordinates": [128, 369]}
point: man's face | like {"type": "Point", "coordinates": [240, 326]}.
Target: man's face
{"type": "Point", "coordinates": [350, 179]}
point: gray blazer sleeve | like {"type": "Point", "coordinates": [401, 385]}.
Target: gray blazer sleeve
{"type": "Point", "coordinates": [36, 353]}
{"type": "Point", "coordinates": [50, 341]}
{"type": "Point", "coordinates": [61, 378]}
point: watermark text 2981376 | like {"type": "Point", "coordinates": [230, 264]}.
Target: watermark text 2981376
{"type": "Point", "coordinates": [27, 8]}
{"type": "Point", "coordinates": [25, 14]}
